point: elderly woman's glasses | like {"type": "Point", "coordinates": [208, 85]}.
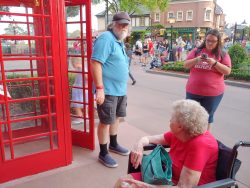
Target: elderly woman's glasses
{"type": "Point", "coordinates": [212, 41]}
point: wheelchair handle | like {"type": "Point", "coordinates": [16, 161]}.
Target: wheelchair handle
{"type": "Point", "coordinates": [245, 144]}
{"type": "Point", "coordinates": [152, 146]}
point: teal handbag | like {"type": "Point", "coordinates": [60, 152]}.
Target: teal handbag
{"type": "Point", "coordinates": [156, 167]}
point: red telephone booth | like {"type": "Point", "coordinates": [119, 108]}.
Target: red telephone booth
{"type": "Point", "coordinates": [46, 103]}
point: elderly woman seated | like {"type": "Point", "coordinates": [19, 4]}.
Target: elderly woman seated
{"type": "Point", "coordinates": [193, 150]}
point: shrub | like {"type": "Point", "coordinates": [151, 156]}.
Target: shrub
{"type": "Point", "coordinates": [237, 55]}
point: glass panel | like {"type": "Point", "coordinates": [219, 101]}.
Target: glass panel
{"type": "Point", "coordinates": [0, 75]}
{"type": "Point", "coordinates": [7, 151]}
{"type": "Point", "coordinates": [54, 123]}
{"type": "Point", "coordinates": [24, 69]}
{"type": "Point", "coordinates": [83, 13]}
{"type": "Point", "coordinates": [14, 29]}
{"type": "Point", "coordinates": [48, 26]}
{"type": "Point", "coordinates": [3, 112]}
{"type": "Point", "coordinates": [85, 64]}
{"type": "Point", "coordinates": [72, 48]}
{"type": "Point", "coordinates": [85, 47]}
{"type": "Point", "coordinates": [23, 89]}
{"type": "Point", "coordinates": [73, 31]}
{"type": "Point", "coordinates": [14, 18]}
{"type": "Point", "coordinates": [26, 109]}
{"type": "Point", "coordinates": [14, 9]}
{"type": "Point", "coordinates": [31, 146]}
{"type": "Point", "coordinates": [55, 141]}
{"type": "Point", "coordinates": [38, 31]}
{"type": "Point", "coordinates": [50, 67]}
{"type": "Point", "coordinates": [29, 127]}
{"type": "Point", "coordinates": [52, 105]}
{"type": "Point", "coordinates": [46, 7]}
{"type": "Point", "coordinates": [51, 87]}
{"type": "Point", "coordinates": [84, 31]}
{"type": "Point", "coordinates": [22, 48]}
{"type": "Point", "coordinates": [49, 47]}
{"type": "Point", "coordinates": [72, 13]}
{"type": "Point", "coordinates": [5, 132]}
{"type": "Point", "coordinates": [30, 10]}
{"type": "Point", "coordinates": [2, 92]}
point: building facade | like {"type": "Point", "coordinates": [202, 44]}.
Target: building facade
{"type": "Point", "coordinates": [191, 15]}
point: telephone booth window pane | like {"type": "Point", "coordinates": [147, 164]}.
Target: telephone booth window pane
{"type": "Point", "coordinates": [30, 146]}
{"type": "Point", "coordinates": [31, 29]}
{"type": "Point", "coordinates": [73, 31]}
{"type": "Point", "coordinates": [26, 109]}
{"type": "Point", "coordinates": [72, 13]}
{"type": "Point", "coordinates": [83, 13]}
{"type": "Point", "coordinates": [46, 6]}
{"type": "Point", "coordinates": [5, 132]}
{"type": "Point", "coordinates": [3, 112]}
{"type": "Point", "coordinates": [50, 67]}
{"type": "Point", "coordinates": [84, 30]}
{"type": "Point", "coordinates": [28, 91]}
{"type": "Point", "coordinates": [29, 127]}
{"type": "Point", "coordinates": [55, 141]}
{"type": "Point", "coordinates": [48, 26]}
{"type": "Point", "coordinates": [85, 47]}
{"type": "Point", "coordinates": [54, 123]}
{"type": "Point", "coordinates": [15, 9]}
{"type": "Point", "coordinates": [7, 151]}
{"type": "Point", "coordinates": [29, 69]}
{"type": "Point", "coordinates": [49, 47]}
{"type": "Point", "coordinates": [14, 18]}
{"type": "Point", "coordinates": [30, 10]}
{"type": "Point", "coordinates": [72, 47]}
{"type": "Point", "coordinates": [51, 87]}
{"type": "Point", "coordinates": [52, 105]}
{"type": "Point", "coordinates": [0, 79]}
{"type": "Point", "coordinates": [85, 64]}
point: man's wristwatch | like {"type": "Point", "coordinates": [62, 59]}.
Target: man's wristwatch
{"type": "Point", "coordinates": [99, 87]}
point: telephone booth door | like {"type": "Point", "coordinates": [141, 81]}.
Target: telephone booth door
{"type": "Point", "coordinates": [78, 54]}
{"type": "Point", "coordinates": [32, 134]}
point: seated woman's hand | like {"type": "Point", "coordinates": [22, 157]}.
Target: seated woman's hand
{"type": "Point", "coordinates": [136, 155]}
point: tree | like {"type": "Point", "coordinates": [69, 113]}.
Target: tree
{"type": "Point", "coordinates": [74, 34]}
{"type": "Point", "coordinates": [17, 30]}
{"type": "Point", "coordinates": [155, 29]}
{"type": "Point", "coordinates": [135, 6]}
{"type": "Point", "coordinates": [72, 12]}
{"type": "Point", "coordinates": [4, 9]}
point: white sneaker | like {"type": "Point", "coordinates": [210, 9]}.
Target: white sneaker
{"type": "Point", "coordinates": [77, 121]}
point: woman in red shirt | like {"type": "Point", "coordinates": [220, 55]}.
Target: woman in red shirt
{"type": "Point", "coordinates": [193, 149]}
{"type": "Point", "coordinates": [206, 79]}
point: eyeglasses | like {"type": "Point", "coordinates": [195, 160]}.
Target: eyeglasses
{"type": "Point", "coordinates": [212, 41]}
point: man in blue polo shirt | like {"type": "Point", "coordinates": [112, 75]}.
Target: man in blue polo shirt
{"type": "Point", "coordinates": [110, 68]}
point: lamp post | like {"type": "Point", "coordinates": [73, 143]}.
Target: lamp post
{"type": "Point", "coordinates": [243, 23]}
{"type": "Point", "coordinates": [14, 29]}
{"type": "Point", "coordinates": [232, 32]}
{"type": "Point", "coordinates": [172, 19]}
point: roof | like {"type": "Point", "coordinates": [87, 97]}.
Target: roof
{"type": "Point", "coordinates": [101, 13]}
{"type": "Point", "coordinates": [228, 31]}
{"type": "Point", "coordinates": [218, 9]}
{"type": "Point", "coordinates": [144, 12]}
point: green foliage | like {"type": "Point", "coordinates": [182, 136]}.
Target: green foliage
{"type": "Point", "coordinates": [17, 30]}
{"type": "Point", "coordinates": [74, 34]}
{"type": "Point", "coordinates": [175, 33]}
{"type": "Point", "coordinates": [175, 67]}
{"type": "Point", "coordinates": [136, 35]}
{"type": "Point", "coordinates": [155, 29]}
{"type": "Point", "coordinates": [135, 6]}
{"type": "Point", "coordinates": [72, 11]}
{"type": "Point", "coordinates": [237, 55]}
{"type": "Point", "coordinates": [4, 9]}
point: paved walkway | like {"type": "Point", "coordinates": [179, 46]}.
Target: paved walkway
{"type": "Point", "coordinates": [149, 112]}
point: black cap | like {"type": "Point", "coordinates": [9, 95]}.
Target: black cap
{"type": "Point", "coordinates": [121, 18]}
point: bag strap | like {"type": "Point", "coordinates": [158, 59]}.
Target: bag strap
{"type": "Point", "coordinates": [223, 53]}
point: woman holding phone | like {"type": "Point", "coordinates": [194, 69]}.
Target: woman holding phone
{"type": "Point", "coordinates": [207, 69]}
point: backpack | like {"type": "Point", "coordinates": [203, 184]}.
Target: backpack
{"type": "Point", "coordinates": [223, 53]}
{"type": "Point", "coordinates": [137, 48]}
{"type": "Point", "coordinates": [166, 59]}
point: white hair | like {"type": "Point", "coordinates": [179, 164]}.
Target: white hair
{"type": "Point", "coordinates": [191, 115]}
{"type": "Point", "coordinates": [111, 26]}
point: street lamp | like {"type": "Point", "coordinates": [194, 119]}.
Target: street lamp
{"type": "Point", "coordinates": [14, 28]}
{"type": "Point", "coordinates": [172, 19]}
{"type": "Point", "coordinates": [198, 29]}
{"type": "Point", "coordinates": [243, 23]}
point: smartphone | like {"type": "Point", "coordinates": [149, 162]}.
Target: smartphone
{"type": "Point", "coordinates": [203, 55]}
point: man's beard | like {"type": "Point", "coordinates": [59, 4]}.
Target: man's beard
{"type": "Point", "coordinates": [120, 34]}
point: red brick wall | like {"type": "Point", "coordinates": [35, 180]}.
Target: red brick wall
{"type": "Point", "coordinates": [198, 14]}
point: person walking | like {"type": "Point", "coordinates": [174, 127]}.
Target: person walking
{"type": "Point", "coordinates": [109, 68]}
{"type": "Point", "coordinates": [151, 48]}
{"type": "Point", "coordinates": [167, 47]}
{"type": "Point", "coordinates": [145, 49]}
{"type": "Point", "coordinates": [129, 54]}
{"type": "Point", "coordinates": [138, 50]}
{"type": "Point", "coordinates": [76, 45]}
{"type": "Point", "coordinates": [206, 79]}
{"type": "Point", "coordinates": [189, 46]}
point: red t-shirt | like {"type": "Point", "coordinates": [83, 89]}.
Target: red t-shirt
{"type": "Point", "coordinates": [76, 47]}
{"type": "Point", "coordinates": [199, 154]}
{"type": "Point", "coordinates": [204, 79]}
{"type": "Point", "coordinates": [150, 45]}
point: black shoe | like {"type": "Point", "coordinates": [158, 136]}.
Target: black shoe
{"type": "Point", "coordinates": [142, 65]}
{"type": "Point", "coordinates": [133, 82]}
{"type": "Point", "coordinates": [151, 67]}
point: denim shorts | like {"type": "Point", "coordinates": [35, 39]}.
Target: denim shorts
{"type": "Point", "coordinates": [112, 107]}
{"type": "Point", "coordinates": [210, 103]}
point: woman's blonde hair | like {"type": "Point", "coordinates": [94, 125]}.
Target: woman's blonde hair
{"type": "Point", "coordinates": [191, 115]}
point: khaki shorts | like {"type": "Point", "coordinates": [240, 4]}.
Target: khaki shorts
{"type": "Point", "coordinates": [112, 107]}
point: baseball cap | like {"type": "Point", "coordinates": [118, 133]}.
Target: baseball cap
{"type": "Point", "coordinates": [149, 38]}
{"type": "Point", "coordinates": [121, 18]}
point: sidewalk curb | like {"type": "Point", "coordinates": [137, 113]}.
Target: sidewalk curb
{"type": "Point", "coordinates": [231, 83]}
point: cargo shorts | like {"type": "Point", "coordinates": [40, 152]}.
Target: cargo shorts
{"type": "Point", "coordinates": [112, 107]}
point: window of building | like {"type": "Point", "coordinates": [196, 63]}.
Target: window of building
{"type": "Point", "coordinates": [189, 15]}
{"type": "Point", "coordinates": [208, 14]}
{"type": "Point", "coordinates": [147, 21]}
{"type": "Point", "coordinates": [180, 16]}
{"type": "Point", "coordinates": [157, 17]}
{"type": "Point", "coordinates": [142, 21]}
{"type": "Point", "coordinates": [137, 23]}
{"type": "Point", "coordinates": [133, 22]}
{"type": "Point", "coordinates": [170, 14]}
{"type": "Point", "coordinates": [222, 21]}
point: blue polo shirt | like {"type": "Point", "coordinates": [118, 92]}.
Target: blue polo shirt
{"type": "Point", "coordinates": [115, 63]}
